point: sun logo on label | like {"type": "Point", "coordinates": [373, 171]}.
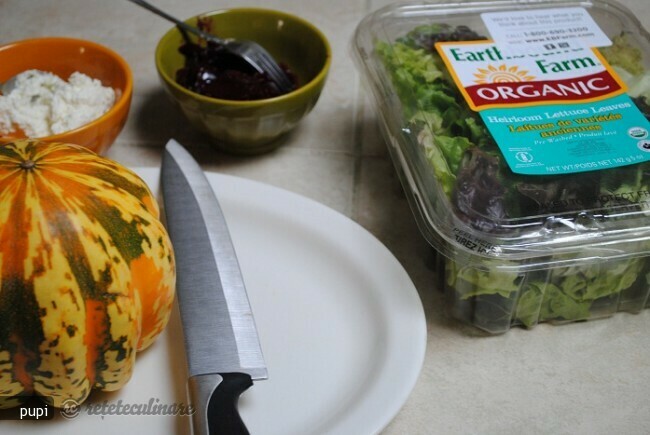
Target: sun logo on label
{"type": "Point", "coordinates": [502, 74]}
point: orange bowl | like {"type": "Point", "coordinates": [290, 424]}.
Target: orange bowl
{"type": "Point", "coordinates": [63, 56]}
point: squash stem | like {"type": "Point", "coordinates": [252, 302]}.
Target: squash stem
{"type": "Point", "coordinates": [28, 164]}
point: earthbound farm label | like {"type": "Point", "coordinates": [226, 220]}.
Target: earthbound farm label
{"type": "Point", "coordinates": [551, 112]}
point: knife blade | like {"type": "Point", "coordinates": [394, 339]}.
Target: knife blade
{"type": "Point", "coordinates": [223, 350]}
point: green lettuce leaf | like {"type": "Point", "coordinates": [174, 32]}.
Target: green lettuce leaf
{"type": "Point", "coordinates": [622, 53]}
{"type": "Point", "coordinates": [471, 281]}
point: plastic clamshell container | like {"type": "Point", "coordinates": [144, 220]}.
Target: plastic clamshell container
{"type": "Point", "coordinates": [514, 249]}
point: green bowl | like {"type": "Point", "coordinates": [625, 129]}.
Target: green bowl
{"type": "Point", "coordinates": [255, 126]}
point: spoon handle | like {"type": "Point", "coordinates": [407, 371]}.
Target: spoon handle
{"type": "Point", "coordinates": [176, 21]}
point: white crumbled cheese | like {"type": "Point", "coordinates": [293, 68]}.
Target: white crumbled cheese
{"type": "Point", "coordinates": [43, 104]}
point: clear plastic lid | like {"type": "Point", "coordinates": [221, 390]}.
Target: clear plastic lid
{"type": "Point", "coordinates": [518, 128]}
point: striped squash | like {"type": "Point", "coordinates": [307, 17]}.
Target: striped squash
{"type": "Point", "coordinates": [87, 272]}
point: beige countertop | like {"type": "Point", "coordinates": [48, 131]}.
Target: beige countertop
{"type": "Point", "coordinates": [588, 378]}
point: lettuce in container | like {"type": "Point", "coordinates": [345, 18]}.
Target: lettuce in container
{"type": "Point", "coordinates": [518, 249]}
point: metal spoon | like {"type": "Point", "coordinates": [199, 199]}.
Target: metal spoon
{"type": "Point", "coordinates": [251, 52]}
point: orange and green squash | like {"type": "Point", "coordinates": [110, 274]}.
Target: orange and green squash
{"type": "Point", "coordinates": [87, 273]}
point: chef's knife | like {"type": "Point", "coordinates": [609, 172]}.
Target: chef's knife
{"type": "Point", "coordinates": [221, 342]}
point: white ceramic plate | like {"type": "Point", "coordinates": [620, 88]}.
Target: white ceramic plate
{"type": "Point", "coordinates": [340, 322]}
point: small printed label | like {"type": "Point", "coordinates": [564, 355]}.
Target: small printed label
{"type": "Point", "coordinates": [550, 113]}
{"type": "Point", "coordinates": [543, 30]}
{"type": "Point", "coordinates": [637, 133]}
{"type": "Point", "coordinates": [474, 244]}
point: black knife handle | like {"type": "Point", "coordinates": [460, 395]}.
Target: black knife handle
{"type": "Point", "coordinates": [223, 415]}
